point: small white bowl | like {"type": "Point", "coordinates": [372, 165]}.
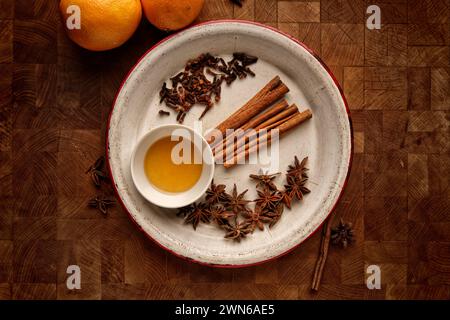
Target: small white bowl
{"type": "Point", "coordinates": [167, 199]}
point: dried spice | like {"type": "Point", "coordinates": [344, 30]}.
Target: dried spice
{"type": "Point", "coordinates": [298, 169]}
{"type": "Point", "coordinates": [184, 211]}
{"type": "Point", "coordinates": [295, 188]}
{"type": "Point", "coordinates": [268, 199]}
{"type": "Point", "coordinates": [215, 194]}
{"type": "Point", "coordinates": [101, 203]}
{"type": "Point", "coordinates": [342, 235]}
{"type": "Point", "coordinates": [296, 178]}
{"type": "Point", "coordinates": [96, 172]}
{"type": "Point", "coordinates": [265, 180]}
{"type": "Point", "coordinates": [219, 214]}
{"type": "Point", "coordinates": [237, 231]}
{"type": "Point", "coordinates": [192, 86]}
{"type": "Point", "coordinates": [237, 2]}
{"type": "Point", "coordinates": [255, 219]}
{"type": "Point", "coordinates": [236, 202]}
{"type": "Point", "coordinates": [286, 198]}
{"type": "Point", "coordinates": [163, 113]}
{"type": "Point", "coordinates": [322, 257]}
{"type": "Point", "coordinates": [275, 215]}
{"type": "Point", "coordinates": [197, 213]}
{"type": "Point", "coordinates": [231, 211]}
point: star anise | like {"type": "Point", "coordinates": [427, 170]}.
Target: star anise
{"type": "Point", "coordinates": [219, 206]}
{"type": "Point", "coordinates": [96, 172]}
{"type": "Point", "coordinates": [236, 202]}
{"type": "Point", "coordinates": [295, 189]}
{"type": "Point", "coordinates": [215, 194]}
{"type": "Point", "coordinates": [255, 219]}
{"type": "Point", "coordinates": [274, 215]}
{"type": "Point", "coordinates": [219, 214]}
{"type": "Point", "coordinates": [198, 213]}
{"type": "Point", "coordinates": [101, 203]}
{"type": "Point", "coordinates": [265, 180]}
{"type": "Point", "coordinates": [286, 198]}
{"type": "Point", "coordinates": [191, 86]}
{"type": "Point", "coordinates": [298, 169]}
{"type": "Point", "coordinates": [184, 211]}
{"type": "Point", "coordinates": [342, 235]}
{"type": "Point", "coordinates": [268, 199]}
{"type": "Point", "coordinates": [237, 231]}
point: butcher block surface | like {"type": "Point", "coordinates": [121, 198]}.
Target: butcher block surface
{"type": "Point", "coordinates": [55, 100]}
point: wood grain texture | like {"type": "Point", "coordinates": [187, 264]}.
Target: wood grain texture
{"type": "Point", "coordinates": [54, 102]}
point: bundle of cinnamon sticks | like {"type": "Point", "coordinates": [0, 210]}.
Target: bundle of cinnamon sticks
{"type": "Point", "coordinates": [252, 125]}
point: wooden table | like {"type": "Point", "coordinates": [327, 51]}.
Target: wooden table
{"type": "Point", "coordinates": [54, 102]}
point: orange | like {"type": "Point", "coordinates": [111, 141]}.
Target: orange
{"type": "Point", "coordinates": [105, 24]}
{"type": "Point", "coordinates": [172, 15]}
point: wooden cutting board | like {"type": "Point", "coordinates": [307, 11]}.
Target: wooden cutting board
{"type": "Point", "coordinates": [54, 102]}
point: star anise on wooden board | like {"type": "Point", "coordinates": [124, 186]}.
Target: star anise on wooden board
{"type": "Point", "coordinates": [342, 235]}
{"type": "Point", "coordinates": [101, 203]}
{"type": "Point", "coordinates": [96, 172]}
{"type": "Point", "coordinates": [235, 202]}
{"type": "Point", "coordinates": [265, 180]}
{"type": "Point", "coordinates": [196, 214]}
{"type": "Point", "coordinates": [215, 194]}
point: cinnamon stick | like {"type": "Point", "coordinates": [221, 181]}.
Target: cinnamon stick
{"type": "Point", "coordinates": [289, 111]}
{"type": "Point", "coordinates": [272, 92]}
{"type": "Point", "coordinates": [266, 115]}
{"type": "Point", "coordinates": [267, 125]}
{"type": "Point", "coordinates": [255, 144]}
{"type": "Point", "coordinates": [253, 123]}
{"type": "Point", "coordinates": [320, 264]}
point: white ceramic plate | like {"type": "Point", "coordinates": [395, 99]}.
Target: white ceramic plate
{"type": "Point", "coordinates": [326, 138]}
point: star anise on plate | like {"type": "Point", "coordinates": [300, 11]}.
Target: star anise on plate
{"type": "Point", "coordinates": [286, 198]}
{"type": "Point", "coordinates": [342, 235]}
{"type": "Point", "coordinates": [232, 213]}
{"type": "Point", "coordinates": [298, 169]}
{"type": "Point", "coordinates": [236, 202]}
{"type": "Point", "coordinates": [265, 180]}
{"type": "Point", "coordinates": [197, 213]}
{"type": "Point", "coordinates": [295, 189]}
{"type": "Point", "coordinates": [237, 231]}
{"type": "Point", "coordinates": [274, 215]}
{"type": "Point", "coordinates": [219, 214]}
{"type": "Point", "coordinates": [215, 194]}
{"type": "Point", "coordinates": [268, 199]}
{"type": "Point", "coordinates": [184, 211]}
{"type": "Point", "coordinates": [101, 203]}
{"type": "Point", "coordinates": [255, 219]}
{"type": "Point", "coordinates": [96, 171]}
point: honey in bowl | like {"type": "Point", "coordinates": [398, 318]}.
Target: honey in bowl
{"type": "Point", "coordinates": [169, 175]}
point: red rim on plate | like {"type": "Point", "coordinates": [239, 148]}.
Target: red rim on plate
{"type": "Point", "coordinates": [327, 69]}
